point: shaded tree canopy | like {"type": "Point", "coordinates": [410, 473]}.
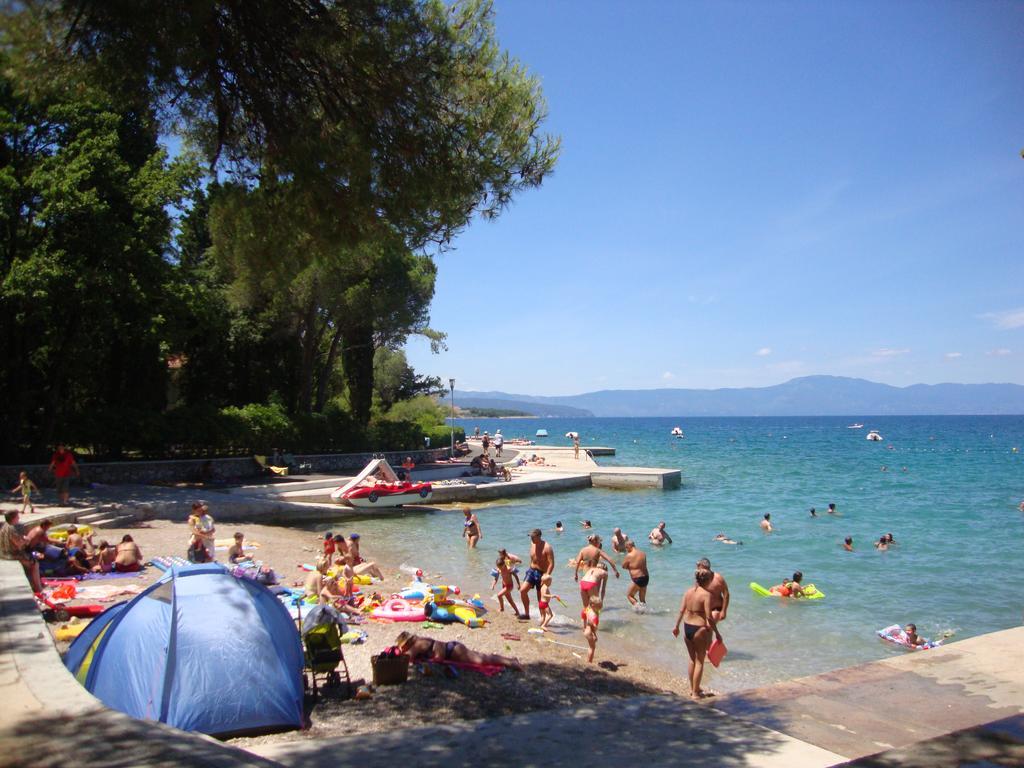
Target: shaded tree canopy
{"type": "Point", "coordinates": [400, 110]}
{"type": "Point", "coordinates": [324, 150]}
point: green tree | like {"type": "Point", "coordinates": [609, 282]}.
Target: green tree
{"type": "Point", "coordinates": [394, 380]}
{"type": "Point", "coordinates": [84, 191]}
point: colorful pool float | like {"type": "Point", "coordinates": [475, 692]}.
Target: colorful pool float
{"type": "Point", "coordinates": [397, 609]}
{"type": "Point", "coordinates": [811, 592]}
{"type": "Point", "coordinates": [895, 634]}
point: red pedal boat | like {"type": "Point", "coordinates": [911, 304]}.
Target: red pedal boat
{"type": "Point", "coordinates": [378, 486]}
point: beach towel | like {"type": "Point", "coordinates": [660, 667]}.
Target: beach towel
{"type": "Point", "coordinates": [164, 562]}
{"type": "Point", "coordinates": [105, 593]}
{"type": "Point", "coordinates": [488, 670]}
{"type": "Point", "coordinates": [58, 580]}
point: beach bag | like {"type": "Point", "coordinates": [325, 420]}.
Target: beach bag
{"type": "Point", "coordinates": [390, 670]}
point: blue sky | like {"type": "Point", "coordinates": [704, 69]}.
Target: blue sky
{"type": "Point", "coordinates": [750, 192]}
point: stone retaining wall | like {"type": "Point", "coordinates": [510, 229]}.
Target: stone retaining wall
{"type": "Point", "coordinates": [191, 470]}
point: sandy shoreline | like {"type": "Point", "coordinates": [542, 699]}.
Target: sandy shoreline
{"type": "Point", "coordinates": [556, 674]}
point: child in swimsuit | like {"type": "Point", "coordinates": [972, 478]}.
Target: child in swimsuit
{"type": "Point", "coordinates": [503, 569]}
{"type": "Point", "coordinates": [546, 614]}
{"type": "Point", "coordinates": [591, 616]}
{"type": "Point", "coordinates": [26, 487]}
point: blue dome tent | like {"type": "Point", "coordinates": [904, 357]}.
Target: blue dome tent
{"type": "Point", "coordinates": [200, 650]}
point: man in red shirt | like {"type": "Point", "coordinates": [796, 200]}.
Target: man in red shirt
{"type": "Point", "coordinates": [63, 466]}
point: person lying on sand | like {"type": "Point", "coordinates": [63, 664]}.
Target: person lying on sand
{"type": "Point", "coordinates": [429, 649]}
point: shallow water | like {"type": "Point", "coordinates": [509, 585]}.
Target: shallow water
{"type": "Point", "coordinates": [953, 511]}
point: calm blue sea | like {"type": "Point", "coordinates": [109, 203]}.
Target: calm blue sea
{"type": "Point", "coordinates": [949, 495]}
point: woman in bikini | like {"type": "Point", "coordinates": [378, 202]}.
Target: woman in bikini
{"type": "Point", "coordinates": [429, 649]}
{"type": "Point", "coordinates": [471, 528]}
{"type": "Point", "coordinates": [698, 624]}
{"type": "Point", "coordinates": [589, 557]}
{"type": "Point", "coordinates": [593, 583]}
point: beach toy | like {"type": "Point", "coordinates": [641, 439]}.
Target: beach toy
{"type": "Point", "coordinates": [70, 631]}
{"type": "Point", "coordinates": [398, 609]}
{"type": "Point", "coordinates": [895, 634]}
{"type": "Point", "coordinates": [414, 592]}
{"type": "Point", "coordinates": [717, 652]}
{"type": "Point", "coordinates": [810, 591]}
{"type": "Point", "coordinates": [60, 532]}
{"type": "Point", "coordinates": [452, 613]}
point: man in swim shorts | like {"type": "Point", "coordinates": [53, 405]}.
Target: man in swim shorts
{"type": "Point", "coordinates": [766, 523]}
{"type": "Point", "coordinates": [542, 561]}
{"type": "Point", "coordinates": [636, 563]}
{"type": "Point", "coordinates": [719, 591]}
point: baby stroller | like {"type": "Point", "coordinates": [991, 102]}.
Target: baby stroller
{"type": "Point", "coordinates": [321, 641]}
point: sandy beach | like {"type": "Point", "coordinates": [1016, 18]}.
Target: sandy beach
{"type": "Point", "coordinates": [556, 672]}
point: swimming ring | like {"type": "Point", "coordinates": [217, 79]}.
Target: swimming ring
{"type": "Point", "coordinates": [398, 609]}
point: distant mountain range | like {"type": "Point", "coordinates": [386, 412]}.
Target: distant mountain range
{"type": "Point", "coordinates": [805, 396]}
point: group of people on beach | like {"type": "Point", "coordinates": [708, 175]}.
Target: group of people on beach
{"type": "Point", "coordinates": [703, 606]}
{"type": "Point", "coordinates": [74, 555]}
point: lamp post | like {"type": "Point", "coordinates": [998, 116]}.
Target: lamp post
{"type": "Point", "coordinates": [451, 383]}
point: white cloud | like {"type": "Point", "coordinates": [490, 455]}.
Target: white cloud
{"type": "Point", "coordinates": [1006, 320]}
{"type": "Point", "coordinates": [954, 355]}
{"type": "Point", "coordinates": [763, 352]}
{"type": "Point", "coordinates": [886, 352]}
{"type": "Point", "coordinates": [668, 375]}
{"type": "Point", "coordinates": [705, 300]}
{"type": "Point", "coordinates": [1001, 352]}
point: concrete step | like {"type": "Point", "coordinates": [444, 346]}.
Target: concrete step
{"type": "Point", "coordinates": [113, 521]}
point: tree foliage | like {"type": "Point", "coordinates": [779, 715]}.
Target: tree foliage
{"type": "Point", "coordinates": [342, 144]}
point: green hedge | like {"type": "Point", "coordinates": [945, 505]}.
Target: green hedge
{"type": "Point", "coordinates": [254, 428]}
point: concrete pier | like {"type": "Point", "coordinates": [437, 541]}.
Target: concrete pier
{"type": "Point", "coordinates": [886, 706]}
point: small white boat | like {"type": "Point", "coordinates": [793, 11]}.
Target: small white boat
{"type": "Point", "coordinates": [572, 435]}
{"type": "Point", "coordinates": [855, 426]}
{"type": "Point", "coordinates": [677, 432]}
{"type": "Point", "coordinates": [541, 433]}
{"type": "Point", "coordinates": [874, 436]}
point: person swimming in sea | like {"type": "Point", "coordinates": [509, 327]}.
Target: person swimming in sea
{"type": "Point", "coordinates": [723, 539]}
{"type": "Point", "coordinates": [790, 588]}
{"type": "Point", "coordinates": [559, 528]}
{"type": "Point", "coordinates": [848, 544]}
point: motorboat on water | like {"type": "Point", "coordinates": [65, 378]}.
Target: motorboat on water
{"type": "Point", "coordinates": [677, 432]}
{"type": "Point", "coordinates": [378, 486]}
{"type": "Point", "coordinates": [855, 426]}
{"type": "Point", "coordinates": [874, 436]}
{"type": "Point", "coordinates": [542, 433]}
{"type": "Point", "coordinates": [572, 435]}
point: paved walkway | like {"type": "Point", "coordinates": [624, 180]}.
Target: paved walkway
{"type": "Point", "coordinates": [888, 705]}
{"type": "Point", "coordinates": [646, 731]}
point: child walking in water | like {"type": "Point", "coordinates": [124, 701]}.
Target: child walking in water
{"type": "Point", "coordinates": [26, 487]}
{"type": "Point", "coordinates": [503, 570]}
{"type": "Point", "coordinates": [544, 603]}
{"type": "Point", "coordinates": [591, 616]}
